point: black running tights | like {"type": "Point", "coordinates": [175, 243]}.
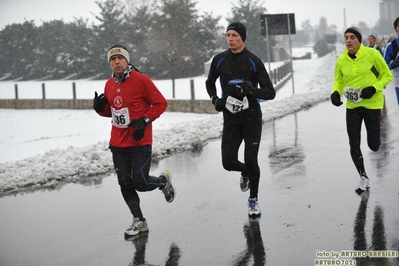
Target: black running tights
{"type": "Point", "coordinates": [233, 134]}
{"type": "Point", "coordinates": [132, 170]}
{"type": "Point", "coordinates": [354, 119]}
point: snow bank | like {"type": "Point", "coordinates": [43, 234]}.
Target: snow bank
{"type": "Point", "coordinates": [76, 164]}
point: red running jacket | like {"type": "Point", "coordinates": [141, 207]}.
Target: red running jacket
{"type": "Point", "coordinates": [134, 98]}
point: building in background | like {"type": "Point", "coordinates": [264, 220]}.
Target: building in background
{"type": "Point", "coordinates": [389, 9]}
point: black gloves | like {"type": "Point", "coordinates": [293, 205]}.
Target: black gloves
{"type": "Point", "coordinates": [218, 103]}
{"type": "Point", "coordinates": [99, 102]}
{"type": "Point", "coordinates": [336, 98]}
{"type": "Point", "coordinates": [367, 92]}
{"type": "Point", "coordinates": [395, 63]}
{"type": "Point", "coordinates": [245, 88]}
{"type": "Point", "coordinates": [139, 127]}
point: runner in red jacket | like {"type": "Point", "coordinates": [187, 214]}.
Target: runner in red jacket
{"type": "Point", "coordinates": [133, 102]}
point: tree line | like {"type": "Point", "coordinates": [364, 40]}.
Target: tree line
{"type": "Point", "coordinates": [166, 39]}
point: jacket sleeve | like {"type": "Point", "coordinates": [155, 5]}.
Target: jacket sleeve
{"type": "Point", "coordinates": [388, 56]}
{"type": "Point", "coordinates": [155, 98]}
{"type": "Point", "coordinates": [266, 90]}
{"type": "Point", "coordinates": [211, 80]}
{"type": "Point", "coordinates": [385, 74]}
{"type": "Point", "coordinates": [338, 78]}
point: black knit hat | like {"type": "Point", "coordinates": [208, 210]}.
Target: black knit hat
{"type": "Point", "coordinates": [355, 31]}
{"type": "Point", "coordinates": [239, 28]}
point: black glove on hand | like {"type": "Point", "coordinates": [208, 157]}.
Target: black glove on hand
{"type": "Point", "coordinates": [218, 103]}
{"type": "Point", "coordinates": [139, 128]}
{"type": "Point", "coordinates": [246, 88]}
{"type": "Point", "coordinates": [395, 63]}
{"type": "Point", "coordinates": [336, 98]}
{"type": "Point", "coordinates": [367, 92]}
{"type": "Point", "coordinates": [99, 102]}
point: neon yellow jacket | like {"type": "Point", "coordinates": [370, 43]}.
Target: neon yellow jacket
{"type": "Point", "coordinates": [368, 69]}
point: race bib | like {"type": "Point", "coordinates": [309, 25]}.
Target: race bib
{"type": "Point", "coordinates": [120, 118]}
{"type": "Point", "coordinates": [234, 105]}
{"type": "Point", "coordinates": [353, 95]}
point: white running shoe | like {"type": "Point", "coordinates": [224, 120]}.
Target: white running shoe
{"type": "Point", "coordinates": [168, 191]}
{"type": "Point", "coordinates": [253, 207]}
{"type": "Point", "coordinates": [136, 227]}
{"type": "Point", "coordinates": [364, 183]}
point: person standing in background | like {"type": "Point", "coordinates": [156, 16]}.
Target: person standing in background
{"type": "Point", "coordinates": [391, 56]}
{"type": "Point", "coordinates": [373, 44]}
{"type": "Point", "coordinates": [133, 102]}
{"type": "Point", "coordinates": [360, 75]}
{"type": "Point", "coordinates": [240, 73]}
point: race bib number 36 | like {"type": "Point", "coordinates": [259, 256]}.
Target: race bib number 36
{"type": "Point", "coordinates": [234, 105]}
{"type": "Point", "coordinates": [120, 118]}
{"type": "Point", "coordinates": [353, 95]}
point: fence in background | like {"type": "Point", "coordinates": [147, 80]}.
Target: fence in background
{"type": "Point", "coordinates": [278, 77]}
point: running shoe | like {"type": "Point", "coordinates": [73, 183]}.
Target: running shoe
{"type": "Point", "coordinates": [136, 227]}
{"type": "Point", "coordinates": [253, 207]}
{"type": "Point", "coordinates": [364, 183]}
{"type": "Point", "coordinates": [168, 190]}
{"type": "Point", "coordinates": [139, 239]}
{"type": "Point", "coordinates": [244, 183]}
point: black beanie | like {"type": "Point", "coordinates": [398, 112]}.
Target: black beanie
{"type": "Point", "coordinates": [239, 28]}
{"type": "Point", "coordinates": [355, 31]}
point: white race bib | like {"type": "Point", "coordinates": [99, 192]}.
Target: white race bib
{"type": "Point", "coordinates": [120, 118]}
{"type": "Point", "coordinates": [353, 95]}
{"type": "Point", "coordinates": [234, 105]}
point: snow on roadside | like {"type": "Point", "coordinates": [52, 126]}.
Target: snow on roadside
{"type": "Point", "coordinates": [78, 163]}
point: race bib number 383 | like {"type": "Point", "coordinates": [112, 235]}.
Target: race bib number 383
{"type": "Point", "coordinates": [120, 118]}
{"type": "Point", "coordinates": [353, 95]}
{"type": "Point", "coordinates": [234, 105]}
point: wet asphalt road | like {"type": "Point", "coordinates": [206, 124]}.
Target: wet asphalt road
{"type": "Point", "coordinates": [310, 210]}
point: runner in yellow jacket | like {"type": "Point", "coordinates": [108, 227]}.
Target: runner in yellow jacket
{"type": "Point", "coordinates": [361, 75]}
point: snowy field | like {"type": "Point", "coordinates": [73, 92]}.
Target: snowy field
{"type": "Point", "coordinates": [42, 148]}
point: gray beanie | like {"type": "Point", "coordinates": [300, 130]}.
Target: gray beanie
{"type": "Point", "coordinates": [355, 31]}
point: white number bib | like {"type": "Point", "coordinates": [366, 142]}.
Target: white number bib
{"type": "Point", "coordinates": [234, 105]}
{"type": "Point", "coordinates": [120, 118]}
{"type": "Point", "coordinates": [353, 95]}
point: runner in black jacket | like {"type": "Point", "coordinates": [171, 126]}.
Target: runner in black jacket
{"type": "Point", "coordinates": [244, 81]}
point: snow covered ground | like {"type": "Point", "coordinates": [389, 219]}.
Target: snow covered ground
{"type": "Point", "coordinates": [42, 148]}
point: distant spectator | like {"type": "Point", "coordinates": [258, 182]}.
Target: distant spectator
{"type": "Point", "coordinates": [373, 44]}
{"type": "Point", "coordinates": [391, 56]}
{"type": "Point", "coordinates": [380, 43]}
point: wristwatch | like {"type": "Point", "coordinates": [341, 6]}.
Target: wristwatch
{"type": "Point", "coordinates": [147, 120]}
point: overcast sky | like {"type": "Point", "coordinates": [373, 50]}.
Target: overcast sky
{"type": "Point", "coordinates": [17, 11]}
